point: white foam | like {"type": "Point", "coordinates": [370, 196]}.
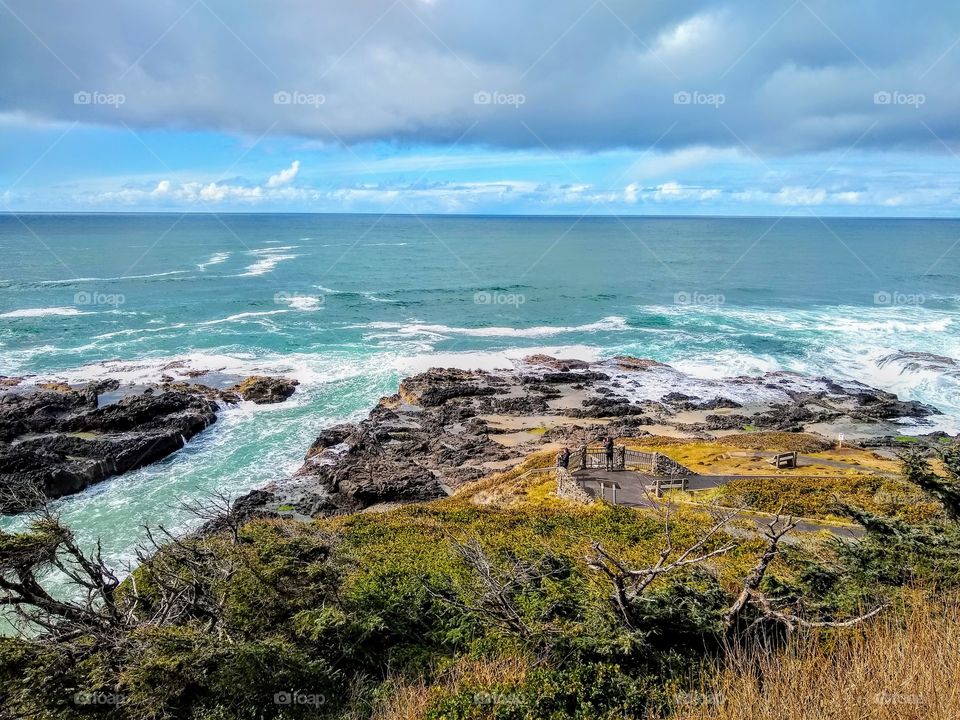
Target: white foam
{"type": "Point", "coordinates": [215, 259]}
{"type": "Point", "coordinates": [441, 331]}
{"type": "Point", "coordinates": [307, 303]}
{"type": "Point", "coordinates": [272, 250]}
{"type": "Point", "coordinates": [373, 298]}
{"type": "Point", "coordinates": [242, 316]}
{"type": "Point", "coordinates": [44, 312]}
{"type": "Point", "coordinates": [110, 279]}
{"type": "Point", "coordinates": [489, 360]}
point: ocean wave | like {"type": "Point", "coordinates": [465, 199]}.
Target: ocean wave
{"type": "Point", "coordinates": [359, 293]}
{"type": "Point", "coordinates": [214, 259]}
{"type": "Point", "coordinates": [307, 303]}
{"type": "Point", "coordinates": [44, 312]}
{"type": "Point", "coordinates": [262, 267]}
{"type": "Point", "coordinates": [612, 323]}
{"type": "Point", "coordinates": [272, 250]}
{"type": "Point", "coordinates": [373, 298]}
{"type": "Point", "coordinates": [71, 281]}
{"type": "Point", "coordinates": [242, 316]}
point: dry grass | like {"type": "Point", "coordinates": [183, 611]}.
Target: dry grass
{"type": "Point", "coordinates": [764, 440]}
{"type": "Point", "coordinates": [905, 665]}
{"type": "Point", "coordinates": [511, 488]}
{"type": "Point", "coordinates": [411, 701]}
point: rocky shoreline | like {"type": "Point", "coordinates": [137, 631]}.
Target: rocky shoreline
{"type": "Point", "coordinates": [447, 427]}
{"type": "Point", "coordinates": [56, 439]}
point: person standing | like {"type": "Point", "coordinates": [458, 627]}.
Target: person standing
{"type": "Point", "coordinates": [563, 459]}
{"type": "Point", "coordinates": [608, 451]}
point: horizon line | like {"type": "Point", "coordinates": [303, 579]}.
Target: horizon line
{"type": "Point", "coordinates": [582, 216]}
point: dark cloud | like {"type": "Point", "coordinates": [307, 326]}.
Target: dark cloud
{"type": "Point", "coordinates": [776, 77]}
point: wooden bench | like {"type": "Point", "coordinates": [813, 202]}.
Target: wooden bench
{"type": "Point", "coordinates": [784, 460]}
{"type": "Point", "coordinates": [671, 483]}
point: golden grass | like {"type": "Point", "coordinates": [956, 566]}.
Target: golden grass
{"type": "Point", "coordinates": [412, 700]}
{"type": "Point", "coordinates": [766, 440]}
{"type": "Point", "coordinates": [720, 456]}
{"type": "Point", "coordinates": [904, 665]}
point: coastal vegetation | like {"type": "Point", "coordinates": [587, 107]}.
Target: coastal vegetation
{"type": "Point", "coordinates": [501, 601]}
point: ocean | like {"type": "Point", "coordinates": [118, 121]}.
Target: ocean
{"type": "Point", "coordinates": [349, 304]}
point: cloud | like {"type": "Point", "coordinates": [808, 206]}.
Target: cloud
{"type": "Point", "coordinates": [794, 78]}
{"type": "Point", "coordinates": [284, 177]}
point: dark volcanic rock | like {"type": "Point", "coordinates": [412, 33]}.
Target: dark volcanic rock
{"type": "Point", "coordinates": [629, 362]}
{"type": "Point", "coordinates": [330, 437]}
{"type": "Point", "coordinates": [556, 363]}
{"type": "Point", "coordinates": [264, 390]}
{"type": "Point", "coordinates": [59, 441]}
{"type": "Point", "coordinates": [56, 440]}
{"type": "Point", "coordinates": [566, 377]}
{"type": "Point", "coordinates": [607, 406]}
{"type": "Point", "coordinates": [441, 429]}
{"type": "Point", "coordinates": [885, 406]}
{"type": "Point", "coordinates": [718, 403]}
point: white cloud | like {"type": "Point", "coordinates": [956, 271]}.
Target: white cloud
{"type": "Point", "coordinates": [284, 177]}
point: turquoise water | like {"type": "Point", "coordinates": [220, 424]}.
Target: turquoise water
{"type": "Point", "coordinates": [351, 303]}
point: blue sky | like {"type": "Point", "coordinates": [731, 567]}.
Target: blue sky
{"type": "Point", "coordinates": [691, 107]}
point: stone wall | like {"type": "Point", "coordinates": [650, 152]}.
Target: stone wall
{"type": "Point", "coordinates": [663, 465]}
{"type": "Point", "coordinates": [569, 489]}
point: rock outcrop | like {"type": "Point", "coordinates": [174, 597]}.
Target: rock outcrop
{"type": "Point", "coordinates": [264, 390]}
{"type": "Point", "coordinates": [56, 439]}
{"type": "Point", "coordinates": [446, 427]}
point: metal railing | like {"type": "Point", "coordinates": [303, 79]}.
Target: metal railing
{"type": "Point", "coordinates": [639, 460]}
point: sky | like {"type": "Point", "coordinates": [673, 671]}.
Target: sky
{"type": "Point", "coordinates": [571, 107]}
